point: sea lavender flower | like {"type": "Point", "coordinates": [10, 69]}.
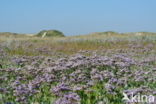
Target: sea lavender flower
{"type": "Point", "coordinates": [2, 90]}
{"type": "Point", "coordinates": [9, 103]}
{"type": "Point", "coordinates": [97, 77]}
{"type": "Point", "coordinates": [48, 77]}
{"type": "Point", "coordinates": [77, 88]}
{"type": "Point", "coordinates": [60, 88]}
{"type": "Point", "coordinates": [113, 80]}
{"type": "Point", "coordinates": [134, 91]}
{"type": "Point", "coordinates": [70, 98]}
{"type": "Point", "coordinates": [110, 88]}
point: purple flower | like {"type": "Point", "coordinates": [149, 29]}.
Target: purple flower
{"type": "Point", "coordinates": [60, 88]}
{"type": "Point", "coordinates": [70, 98]}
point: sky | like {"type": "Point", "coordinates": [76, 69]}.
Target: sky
{"type": "Point", "coordinates": [75, 17]}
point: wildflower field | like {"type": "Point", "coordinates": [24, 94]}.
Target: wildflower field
{"type": "Point", "coordinates": [90, 69]}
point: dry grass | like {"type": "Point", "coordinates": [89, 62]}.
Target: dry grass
{"type": "Point", "coordinates": [28, 45]}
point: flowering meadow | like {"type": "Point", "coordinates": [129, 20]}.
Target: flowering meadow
{"type": "Point", "coordinates": [91, 69]}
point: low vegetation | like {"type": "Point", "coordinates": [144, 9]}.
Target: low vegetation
{"type": "Point", "coordinates": [89, 69]}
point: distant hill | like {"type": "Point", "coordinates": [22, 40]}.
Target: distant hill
{"type": "Point", "coordinates": [116, 33]}
{"type": "Point", "coordinates": [56, 33]}
{"type": "Point", "coordinates": [9, 34]}
{"type": "Point", "coordinates": [141, 33]}
{"type": "Point", "coordinates": [50, 33]}
{"type": "Point", "coordinates": [105, 33]}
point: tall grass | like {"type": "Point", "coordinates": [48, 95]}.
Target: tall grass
{"type": "Point", "coordinates": [28, 45]}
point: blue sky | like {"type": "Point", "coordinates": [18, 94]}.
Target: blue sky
{"type": "Point", "coordinates": [74, 17]}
